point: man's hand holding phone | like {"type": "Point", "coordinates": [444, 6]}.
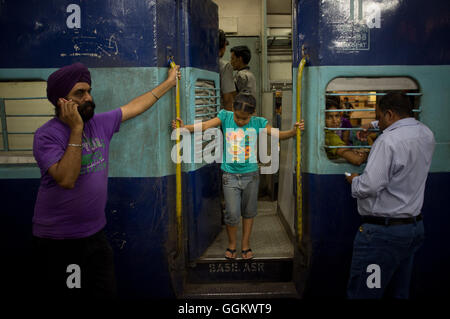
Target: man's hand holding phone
{"type": "Point", "coordinates": [69, 114]}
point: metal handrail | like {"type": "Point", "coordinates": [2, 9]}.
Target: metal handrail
{"type": "Point", "coordinates": [351, 129]}
{"type": "Point", "coordinates": [348, 146]}
{"type": "Point", "coordinates": [23, 98]}
{"type": "Point", "coordinates": [207, 114]}
{"type": "Point", "coordinates": [204, 105]}
{"type": "Point", "coordinates": [364, 110]}
{"type": "Point", "coordinates": [368, 94]}
{"type": "Point", "coordinates": [299, 195]}
{"type": "Point", "coordinates": [205, 88]}
{"type": "Point", "coordinates": [206, 96]}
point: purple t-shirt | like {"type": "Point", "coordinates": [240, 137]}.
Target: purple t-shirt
{"type": "Point", "coordinates": [345, 123]}
{"type": "Point", "coordinates": [79, 212]}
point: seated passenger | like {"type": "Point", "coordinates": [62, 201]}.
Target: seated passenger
{"type": "Point", "coordinates": [344, 118]}
{"type": "Point", "coordinates": [333, 120]}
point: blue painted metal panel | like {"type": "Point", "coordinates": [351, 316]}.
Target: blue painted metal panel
{"type": "Point", "coordinates": [140, 226]}
{"type": "Point", "coordinates": [115, 33]}
{"type": "Point", "coordinates": [203, 211]}
{"type": "Point", "coordinates": [202, 22]}
{"type": "Point", "coordinates": [332, 220]}
{"type": "Point", "coordinates": [411, 32]}
{"type": "Point", "coordinates": [46, 34]}
{"type": "Point", "coordinates": [16, 211]}
{"type": "Point", "coordinates": [431, 276]}
{"type": "Point", "coordinates": [138, 213]}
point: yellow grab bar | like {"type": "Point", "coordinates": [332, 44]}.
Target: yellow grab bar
{"type": "Point", "coordinates": [178, 170]}
{"type": "Point", "coordinates": [299, 199]}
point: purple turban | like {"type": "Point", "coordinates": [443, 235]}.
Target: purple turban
{"type": "Point", "coordinates": [61, 82]}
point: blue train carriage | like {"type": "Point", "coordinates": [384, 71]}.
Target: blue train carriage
{"type": "Point", "coordinates": [126, 47]}
{"type": "Point", "coordinates": [361, 50]}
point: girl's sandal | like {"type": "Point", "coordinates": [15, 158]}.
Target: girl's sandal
{"type": "Point", "coordinates": [245, 253]}
{"type": "Point", "coordinates": [233, 254]}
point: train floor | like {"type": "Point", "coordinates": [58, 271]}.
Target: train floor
{"type": "Point", "coordinates": [268, 239]}
{"type": "Point", "coordinates": [267, 275]}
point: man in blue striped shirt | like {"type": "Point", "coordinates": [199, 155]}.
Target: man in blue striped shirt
{"type": "Point", "coordinates": [390, 196]}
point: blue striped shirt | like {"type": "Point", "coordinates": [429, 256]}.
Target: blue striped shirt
{"type": "Point", "coordinates": [393, 182]}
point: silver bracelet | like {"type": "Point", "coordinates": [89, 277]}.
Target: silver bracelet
{"type": "Point", "coordinates": [76, 145]}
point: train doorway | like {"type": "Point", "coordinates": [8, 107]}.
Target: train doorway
{"type": "Point", "coordinates": [270, 274]}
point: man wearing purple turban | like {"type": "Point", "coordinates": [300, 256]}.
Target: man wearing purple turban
{"type": "Point", "coordinates": [71, 150]}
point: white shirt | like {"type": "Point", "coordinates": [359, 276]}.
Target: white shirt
{"type": "Point", "coordinates": [226, 78]}
{"type": "Point", "coordinates": [393, 182]}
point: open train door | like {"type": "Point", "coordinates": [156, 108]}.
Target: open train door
{"type": "Point", "coordinates": [202, 190]}
{"type": "Point", "coordinates": [267, 275]}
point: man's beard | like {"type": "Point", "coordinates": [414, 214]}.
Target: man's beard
{"type": "Point", "coordinates": [86, 110]}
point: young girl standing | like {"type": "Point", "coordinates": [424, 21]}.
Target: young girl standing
{"type": "Point", "coordinates": [240, 168]}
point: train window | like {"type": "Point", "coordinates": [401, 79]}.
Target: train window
{"type": "Point", "coordinates": [350, 107]}
{"type": "Point", "coordinates": [23, 108]}
{"type": "Point", "coordinates": [207, 106]}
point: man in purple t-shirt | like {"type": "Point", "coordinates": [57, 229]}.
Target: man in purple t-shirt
{"type": "Point", "coordinates": [71, 150]}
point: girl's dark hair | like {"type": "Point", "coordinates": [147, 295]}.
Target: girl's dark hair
{"type": "Point", "coordinates": [332, 104]}
{"type": "Point", "coordinates": [244, 102]}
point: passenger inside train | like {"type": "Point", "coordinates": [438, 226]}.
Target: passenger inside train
{"type": "Point", "coordinates": [333, 120]}
{"type": "Point", "coordinates": [345, 118]}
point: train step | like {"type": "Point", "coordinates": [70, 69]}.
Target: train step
{"type": "Point", "coordinates": [242, 290]}
{"type": "Point", "coordinates": [240, 270]}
